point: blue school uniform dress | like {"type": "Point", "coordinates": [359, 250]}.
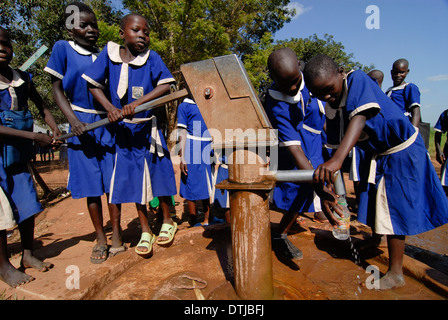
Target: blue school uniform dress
{"type": "Point", "coordinates": [197, 185]}
{"type": "Point", "coordinates": [143, 167]}
{"type": "Point", "coordinates": [16, 180]}
{"type": "Point", "coordinates": [402, 194]}
{"type": "Point", "coordinates": [286, 115]}
{"type": "Point", "coordinates": [442, 127]}
{"type": "Point", "coordinates": [221, 172]}
{"type": "Point", "coordinates": [311, 132]}
{"type": "Point", "coordinates": [91, 155]}
{"type": "Point", "coordinates": [406, 96]}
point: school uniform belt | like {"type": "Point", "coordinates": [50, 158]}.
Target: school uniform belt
{"type": "Point", "coordinates": [307, 128]}
{"type": "Point", "coordinates": [398, 148]}
{"type": "Point", "coordinates": [199, 138]}
{"type": "Point", "coordinates": [93, 111]}
{"type": "Point", "coordinates": [156, 141]}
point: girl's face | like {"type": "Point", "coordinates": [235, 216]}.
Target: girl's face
{"type": "Point", "coordinates": [136, 35]}
{"type": "Point", "coordinates": [329, 88]}
{"type": "Point", "coordinates": [6, 52]}
{"type": "Point", "coordinates": [86, 33]}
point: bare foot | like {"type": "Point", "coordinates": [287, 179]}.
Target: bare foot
{"type": "Point", "coordinates": [13, 277]}
{"type": "Point", "coordinates": [391, 281]}
{"type": "Point", "coordinates": [30, 261]}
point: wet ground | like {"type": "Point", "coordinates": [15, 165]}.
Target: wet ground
{"type": "Point", "coordinates": [330, 270]}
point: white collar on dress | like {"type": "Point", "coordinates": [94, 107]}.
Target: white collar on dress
{"type": "Point", "coordinates": [81, 50]}
{"type": "Point", "coordinates": [187, 100]}
{"type": "Point", "coordinates": [17, 81]}
{"type": "Point", "coordinates": [113, 50]}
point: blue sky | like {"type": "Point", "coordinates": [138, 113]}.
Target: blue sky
{"type": "Point", "coordinates": [411, 29]}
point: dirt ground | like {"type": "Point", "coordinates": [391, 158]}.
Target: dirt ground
{"type": "Point", "coordinates": [64, 236]}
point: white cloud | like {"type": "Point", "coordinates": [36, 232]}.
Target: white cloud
{"type": "Point", "coordinates": [300, 8]}
{"type": "Point", "coordinates": [440, 77]}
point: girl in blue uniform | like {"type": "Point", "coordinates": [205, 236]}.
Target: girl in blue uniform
{"type": "Point", "coordinates": [134, 75]}
{"type": "Point", "coordinates": [91, 154]}
{"type": "Point", "coordinates": [440, 128]}
{"type": "Point", "coordinates": [195, 151]}
{"type": "Point", "coordinates": [19, 202]}
{"type": "Point", "coordinates": [401, 194]}
{"type": "Point", "coordinates": [285, 103]}
{"type": "Point", "coordinates": [311, 132]}
{"type": "Point", "coordinates": [406, 95]}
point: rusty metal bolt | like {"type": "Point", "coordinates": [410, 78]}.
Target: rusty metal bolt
{"type": "Point", "coordinates": [208, 93]}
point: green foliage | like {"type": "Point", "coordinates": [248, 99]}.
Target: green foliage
{"type": "Point", "coordinates": [182, 31]}
{"type": "Point", "coordinates": [256, 62]}
{"type": "Point", "coordinates": [34, 23]}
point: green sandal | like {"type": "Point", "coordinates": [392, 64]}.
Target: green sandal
{"type": "Point", "coordinates": [147, 240]}
{"type": "Point", "coordinates": [167, 231]}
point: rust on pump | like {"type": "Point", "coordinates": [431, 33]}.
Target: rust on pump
{"type": "Point", "coordinates": [227, 101]}
{"type": "Point", "coordinates": [238, 124]}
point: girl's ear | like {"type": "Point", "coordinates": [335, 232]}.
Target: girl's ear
{"type": "Point", "coordinates": [121, 34]}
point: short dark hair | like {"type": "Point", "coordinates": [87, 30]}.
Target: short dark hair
{"type": "Point", "coordinates": [125, 19]}
{"type": "Point", "coordinates": [319, 66]}
{"type": "Point", "coordinates": [81, 6]}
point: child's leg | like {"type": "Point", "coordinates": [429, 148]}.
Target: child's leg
{"type": "Point", "coordinates": [286, 222]}
{"type": "Point", "coordinates": [95, 208]}
{"type": "Point", "coordinates": [394, 276]}
{"type": "Point", "coordinates": [281, 243]}
{"type": "Point", "coordinates": [192, 212]}
{"type": "Point", "coordinates": [8, 273]}
{"type": "Point", "coordinates": [26, 229]}
{"type": "Point", "coordinates": [206, 207]}
{"type": "Point", "coordinates": [115, 219]}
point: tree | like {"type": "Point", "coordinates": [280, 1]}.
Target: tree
{"type": "Point", "coordinates": [183, 31]}
{"type": "Point", "coordinates": [34, 23]}
{"type": "Point", "coordinates": [256, 62]}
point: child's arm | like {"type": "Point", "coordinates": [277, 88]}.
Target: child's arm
{"type": "Point", "coordinates": [113, 114]}
{"type": "Point", "coordinates": [41, 139]}
{"type": "Point", "coordinates": [416, 116]}
{"type": "Point", "coordinates": [325, 172]}
{"type": "Point", "coordinates": [160, 90]}
{"type": "Point", "coordinates": [43, 110]}
{"type": "Point", "coordinates": [300, 159]}
{"type": "Point", "coordinates": [440, 157]}
{"type": "Point", "coordinates": [183, 143]}
{"type": "Point", "coordinates": [77, 127]}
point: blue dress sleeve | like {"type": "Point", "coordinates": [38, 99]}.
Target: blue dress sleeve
{"type": "Point", "coordinates": [182, 116]}
{"type": "Point", "coordinates": [287, 124]}
{"type": "Point", "coordinates": [361, 98]}
{"type": "Point", "coordinates": [159, 71]}
{"type": "Point", "coordinates": [442, 123]}
{"type": "Point", "coordinates": [57, 64]}
{"type": "Point", "coordinates": [411, 96]}
{"type": "Point", "coordinates": [98, 73]}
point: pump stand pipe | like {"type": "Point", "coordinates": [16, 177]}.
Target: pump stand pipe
{"type": "Point", "coordinates": [304, 176]}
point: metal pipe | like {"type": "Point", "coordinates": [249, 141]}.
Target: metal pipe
{"type": "Point", "coordinates": [304, 176]}
{"type": "Point", "coordinates": [143, 107]}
